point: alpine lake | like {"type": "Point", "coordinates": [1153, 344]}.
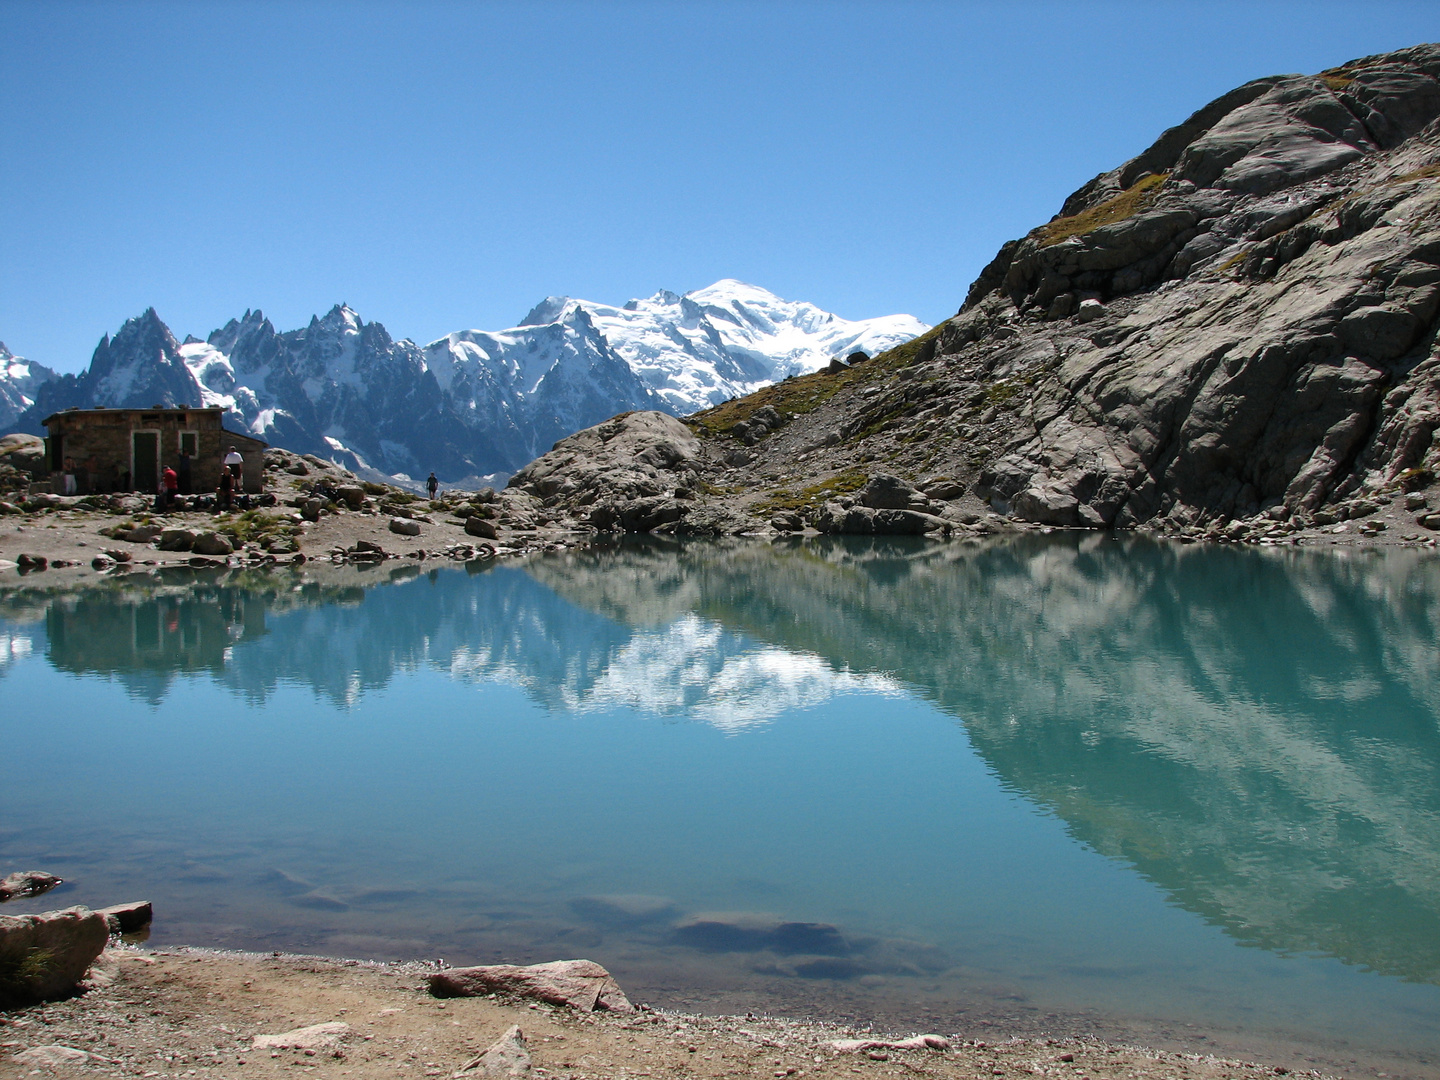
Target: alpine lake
{"type": "Point", "coordinates": [1185, 796]}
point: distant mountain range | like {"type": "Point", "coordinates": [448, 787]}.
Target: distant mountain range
{"type": "Point", "coordinates": [473, 403]}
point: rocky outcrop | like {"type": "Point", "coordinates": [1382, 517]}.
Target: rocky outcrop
{"type": "Point", "coordinates": [43, 957]}
{"type": "Point", "coordinates": [632, 473]}
{"type": "Point", "coordinates": [1237, 323]}
{"type": "Point", "coordinates": [578, 984]}
{"type": "Point", "coordinates": [1272, 267]}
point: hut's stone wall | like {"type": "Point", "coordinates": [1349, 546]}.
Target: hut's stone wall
{"type": "Point", "coordinates": [126, 449]}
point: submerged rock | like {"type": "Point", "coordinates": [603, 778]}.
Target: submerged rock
{"type": "Point", "coordinates": [745, 932]}
{"type": "Point", "coordinates": [27, 883]}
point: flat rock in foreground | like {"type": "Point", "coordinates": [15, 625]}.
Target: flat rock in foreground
{"type": "Point", "coordinates": [579, 984]}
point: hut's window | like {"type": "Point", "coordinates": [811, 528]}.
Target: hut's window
{"type": "Point", "coordinates": [190, 442]}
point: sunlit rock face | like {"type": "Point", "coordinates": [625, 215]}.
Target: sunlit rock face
{"type": "Point", "coordinates": [1254, 730]}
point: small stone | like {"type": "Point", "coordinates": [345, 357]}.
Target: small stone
{"type": "Point", "coordinates": [312, 1038]}
{"type": "Point", "coordinates": [1090, 310]}
{"type": "Point", "coordinates": [507, 1056]}
{"type": "Point", "coordinates": [50, 1057]}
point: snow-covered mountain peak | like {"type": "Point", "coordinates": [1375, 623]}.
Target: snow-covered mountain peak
{"type": "Point", "coordinates": [474, 402]}
{"type": "Point", "coordinates": [702, 347]}
{"type": "Point", "coordinates": [549, 310]}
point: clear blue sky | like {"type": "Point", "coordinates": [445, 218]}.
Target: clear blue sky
{"type": "Point", "coordinates": [441, 166]}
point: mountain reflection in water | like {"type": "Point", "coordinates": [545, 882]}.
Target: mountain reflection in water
{"type": "Point", "coordinates": [1253, 730]}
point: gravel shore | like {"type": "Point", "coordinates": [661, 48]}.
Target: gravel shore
{"type": "Point", "coordinates": [184, 1012]}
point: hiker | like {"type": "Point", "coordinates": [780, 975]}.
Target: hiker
{"type": "Point", "coordinates": [431, 485]}
{"type": "Point", "coordinates": [69, 476]}
{"type": "Point", "coordinates": [165, 490]}
{"type": "Point", "coordinates": [236, 464]}
{"type": "Point", "coordinates": [225, 490]}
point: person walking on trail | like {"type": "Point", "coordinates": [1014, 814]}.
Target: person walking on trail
{"type": "Point", "coordinates": [432, 485]}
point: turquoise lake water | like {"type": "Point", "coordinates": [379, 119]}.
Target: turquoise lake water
{"type": "Point", "coordinates": [1188, 795]}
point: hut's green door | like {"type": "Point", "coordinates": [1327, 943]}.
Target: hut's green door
{"type": "Point", "coordinates": [145, 460]}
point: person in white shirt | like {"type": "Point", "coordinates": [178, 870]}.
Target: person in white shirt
{"type": "Point", "coordinates": [235, 463]}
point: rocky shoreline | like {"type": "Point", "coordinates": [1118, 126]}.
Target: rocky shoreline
{"type": "Point", "coordinates": [553, 504]}
{"type": "Point", "coordinates": [189, 1012]}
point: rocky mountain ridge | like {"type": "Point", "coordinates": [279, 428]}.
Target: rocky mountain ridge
{"type": "Point", "coordinates": [472, 403]}
{"type": "Point", "coordinates": [1238, 324]}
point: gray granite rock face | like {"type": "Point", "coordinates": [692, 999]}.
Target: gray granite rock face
{"type": "Point", "coordinates": [1274, 340]}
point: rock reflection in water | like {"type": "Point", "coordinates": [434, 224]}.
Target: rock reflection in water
{"type": "Point", "coordinates": [1254, 731]}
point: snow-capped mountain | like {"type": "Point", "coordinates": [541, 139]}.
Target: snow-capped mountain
{"type": "Point", "coordinates": [472, 403]}
{"type": "Point", "coordinates": [692, 351]}
{"type": "Point", "coordinates": [19, 381]}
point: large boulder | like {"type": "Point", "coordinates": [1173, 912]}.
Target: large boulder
{"type": "Point", "coordinates": [635, 455]}
{"type": "Point", "coordinates": [885, 492]}
{"type": "Point", "coordinates": [141, 534]}
{"type": "Point", "coordinates": [353, 495]}
{"type": "Point", "coordinates": [211, 543]}
{"type": "Point", "coordinates": [835, 517]}
{"type": "Point", "coordinates": [43, 957]}
{"type": "Point", "coordinates": [176, 540]}
{"type": "Point", "coordinates": [578, 984]}
{"type": "Point", "coordinates": [476, 525]}
{"type": "Point", "coordinates": [637, 515]}
{"type": "Point", "coordinates": [404, 526]}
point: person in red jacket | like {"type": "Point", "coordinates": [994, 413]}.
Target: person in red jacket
{"type": "Point", "coordinates": [169, 485]}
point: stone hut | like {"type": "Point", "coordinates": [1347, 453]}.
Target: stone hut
{"type": "Point", "coordinates": [126, 449]}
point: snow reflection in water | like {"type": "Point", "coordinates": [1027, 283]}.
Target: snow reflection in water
{"type": "Point", "coordinates": [1185, 784]}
